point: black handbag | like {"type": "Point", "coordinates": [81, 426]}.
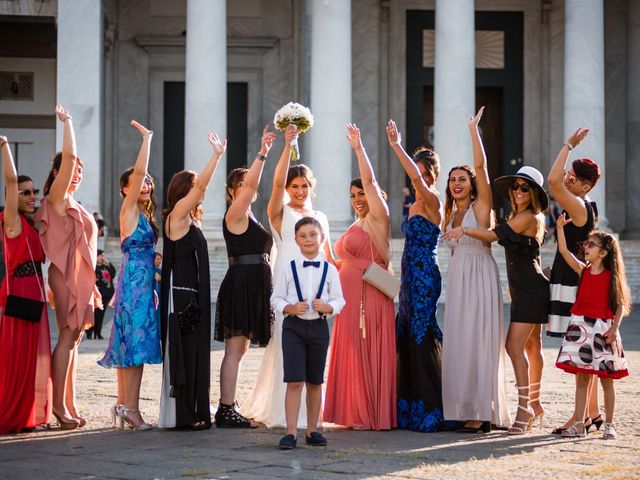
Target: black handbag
{"type": "Point", "coordinates": [21, 307]}
{"type": "Point", "coordinates": [189, 317]}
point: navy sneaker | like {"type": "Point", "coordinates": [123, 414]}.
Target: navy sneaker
{"type": "Point", "coordinates": [288, 442]}
{"type": "Point", "coordinates": [316, 439]}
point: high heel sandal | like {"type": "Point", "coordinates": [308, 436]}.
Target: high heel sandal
{"type": "Point", "coordinates": [114, 414]}
{"type": "Point", "coordinates": [596, 422]}
{"type": "Point", "coordinates": [539, 415]}
{"type": "Point", "coordinates": [228, 417]}
{"type": "Point", "coordinates": [65, 424]}
{"type": "Point", "coordinates": [573, 431]}
{"type": "Point", "coordinates": [515, 430]}
{"type": "Point", "coordinates": [123, 413]}
{"type": "Point", "coordinates": [559, 430]}
{"type": "Point", "coordinates": [609, 432]}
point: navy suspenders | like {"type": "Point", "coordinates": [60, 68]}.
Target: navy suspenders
{"type": "Point", "coordinates": [296, 280]}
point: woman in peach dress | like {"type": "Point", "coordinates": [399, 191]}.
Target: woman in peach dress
{"type": "Point", "coordinates": [69, 238]}
{"type": "Point", "coordinates": [361, 388]}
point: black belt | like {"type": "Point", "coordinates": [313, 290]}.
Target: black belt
{"type": "Point", "coordinates": [255, 259]}
{"type": "Point", "coordinates": [28, 269]}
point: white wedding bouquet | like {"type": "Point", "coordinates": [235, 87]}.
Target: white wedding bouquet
{"type": "Point", "coordinates": [293, 114]}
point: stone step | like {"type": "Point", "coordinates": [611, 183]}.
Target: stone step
{"type": "Point", "coordinates": [218, 261]}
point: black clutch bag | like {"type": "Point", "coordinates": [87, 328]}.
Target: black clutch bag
{"type": "Point", "coordinates": [189, 317]}
{"type": "Point", "coordinates": [24, 308]}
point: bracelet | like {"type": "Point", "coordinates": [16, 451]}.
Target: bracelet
{"type": "Point", "coordinates": [259, 156]}
{"type": "Point", "coordinates": [568, 145]}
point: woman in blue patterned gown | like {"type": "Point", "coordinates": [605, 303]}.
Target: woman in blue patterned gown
{"type": "Point", "coordinates": [135, 335]}
{"type": "Point", "coordinates": [419, 339]}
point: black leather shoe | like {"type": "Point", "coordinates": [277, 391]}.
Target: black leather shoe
{"type": "Point", "coordinates": [484, 428]}
{"type": "Point", "coordinates": [316, 439]}
{"type": "Point", "coordinates": [288, 442]}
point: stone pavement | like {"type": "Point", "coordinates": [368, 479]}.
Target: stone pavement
{"type": "Point", "coordinates": [98, 451]}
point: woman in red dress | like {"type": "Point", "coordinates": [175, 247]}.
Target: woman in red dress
{"type": "Point", "coordinates": [361, 387]}
{"type": "Point", "coordinates": [25, 348]}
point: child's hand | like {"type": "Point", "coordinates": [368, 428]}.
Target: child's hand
{"type": "Point", "coordinates": [298, 308]}
{"type": "Point", "coordinates": [611, 335]}
{"type": "Point", "coordinates": [562, 220]}
{"type": "Point", "coordinates": [321, 307]}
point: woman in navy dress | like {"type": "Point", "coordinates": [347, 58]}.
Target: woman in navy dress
{"type": "Point", "coordinates": [419, 339]}
{"type": "Point", "coordinates": [135, 334]}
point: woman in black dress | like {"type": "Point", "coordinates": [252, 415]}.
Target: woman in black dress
{"type": "Point", "coordinates": [243, 311]}
{"type": "Point", "coordinates": [521, 236]}
{"type": "Point", "coordinates": [186, 302]}
{"type": "Point", "coordinates": [570, 189]}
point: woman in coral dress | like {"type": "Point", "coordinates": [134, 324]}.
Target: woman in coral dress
{"type": "Point", "coordinates": [25, 348]}
{"type": "Point", "coordinates": [361, 387]}
{"type": "Point", "coordinates": [69, 237]}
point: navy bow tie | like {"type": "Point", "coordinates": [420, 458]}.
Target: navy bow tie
{"type": "Point", "coordinates": [308, 263]}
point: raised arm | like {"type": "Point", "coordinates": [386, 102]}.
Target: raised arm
{"type": "Point", "coordinates": [484, 202]}
{"type": "Point", "coordinates": [129, 212]}
{"type": "Point", "coordinates": [377, 206]}
{"type": "Point", "coordinates": [185, 206]}
{"type": "Point", "coordinates": [12, 223]}
{"type": "Point", "coordinates": [276, 202]}
{"type": "Point", "coordinates": [237, 215]}
{"type": "Point", "coordinates": [567, 200]}
{"type": "Point", "coordinates": [60, 185]}
{"type": "Point", "coordinates": [569, 257]}
{"type": "Point", "coordinates": [430, 198]}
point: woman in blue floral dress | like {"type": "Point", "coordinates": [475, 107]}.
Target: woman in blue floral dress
{"type": "Point", "coordinates": [419, 339]}
{"type": "Point", "coordinates": [135, 335]}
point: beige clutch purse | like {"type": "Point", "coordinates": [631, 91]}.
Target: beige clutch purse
{"type": "Point", "coordinates": [381, 279]}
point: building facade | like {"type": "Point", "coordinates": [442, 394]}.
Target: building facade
{"type": "Point", "coordinates": [183, 67]}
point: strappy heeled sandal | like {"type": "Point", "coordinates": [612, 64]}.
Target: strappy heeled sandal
{"type": "Point", "coordinates": [539, 415]}
{"type": "Point", "coordinates": [125, 415]}
{"type": "Point", "coordinates": [595, 422]}
{"type": "Point", "coordinates": [228, 417]}
{"type": "Point", "coordinates": [514, 429]}
{"type": "Point", "coordinates": [573, 431]}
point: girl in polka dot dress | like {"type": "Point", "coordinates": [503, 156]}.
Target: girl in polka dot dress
{"type": "Point", "coordinates": [592, 344]}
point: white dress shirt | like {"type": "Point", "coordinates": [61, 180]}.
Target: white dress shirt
{"type": "Point", "coordinates": [284, 287]}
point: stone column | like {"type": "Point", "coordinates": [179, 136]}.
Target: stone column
{"type": "Point", "coordinates": [79, 86]}
{"type": "Point", "coordinates": [328, 150]}
{"type": "Point", "coordinates": [455, 84]}
{"type": "Point", "coordinates": [633, 120]}
{"type": "Point", "coordinates": [206, 99]}
{"type": "Point", "coordinates": [584, 85]}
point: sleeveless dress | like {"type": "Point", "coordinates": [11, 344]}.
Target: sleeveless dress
{"type": "Point", "coordinates": [69, 241]}
{"type": "Point", "coordinates": [243, 307]}
{"type": "Point", "coordinates": [564, 280]}
{"type": "Point", "coordinates": [135, 334]}
{"type": "Point", "coordinates": [184, 399]}
{"type": "Point", "coordinates": [473, 347]}
{"type": "Point", "coordinates": [528, 287]}
{"type": "Point", "coordinates": [361, 387]}
{"type": "Point", "coordinates": [584, 348]}
{"type": "Point", "coordinates": [419, 339]}
{"type": "Point", "coordinates": [25, 347]}
{"type": "Point", "coordinates": [265, 404]}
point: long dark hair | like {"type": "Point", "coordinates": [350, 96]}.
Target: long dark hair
{"type": "Point", "coordinates": [55, 168]}
{"type": "Point", "coordinates": [149, 208]}
{"type": "Point", "coordinates": [449, 202]}
{"type": "Point", "coordinates": [300, 170]}
{"type": "Point", "coordinates": [27, 215]}
{"type": "Point", "coordinates": [619, 292]}
{"type": "Point", "coordinates": [179, 187]}
{"type": "Point", "coordinates": [234, 180]}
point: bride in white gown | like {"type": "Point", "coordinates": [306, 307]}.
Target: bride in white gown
{"type": "Point", "coordinates": [266, 401]}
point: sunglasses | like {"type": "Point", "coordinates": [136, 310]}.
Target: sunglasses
{"type": "Point", "coordinates": [591, 244]}
{"type": "Point", "coordinates": [523, 187]}
{"type": "Point", "coordinates": [148, 181]}
{"type": "Point", "coordinates": [26, 192]}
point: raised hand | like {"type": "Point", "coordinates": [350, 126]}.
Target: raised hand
{"type": "Point", "coordinates": [577, 137]}
{"type": "Point", "coordinates": [3, 140]}
{"type": "Point", "coordinates": [142, 129]}
{"type": "Point", "coordinates": [290, 134]}
{"type": "Point", "coordinates": [218, 146]}
{"type": "Point", "coordinates": [562, 220]}
{"type": "Point", "coordinates": [394, 136]}
{"type": "Point", "coordinates": [266, 142]}
{"type": "Point", "coordinates": [475, 121]}
{"type": "Point", "coordinates": [354, 137]}
{"type": "Point", "coordinates": [62, 113]}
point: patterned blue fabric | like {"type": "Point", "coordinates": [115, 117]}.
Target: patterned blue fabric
{"type": "Point", "coordinates": [421, 280]}
{"type": "Point", "coordinates": [135, 335]}
{"type": "Point", "coordinates": [419, 339]}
